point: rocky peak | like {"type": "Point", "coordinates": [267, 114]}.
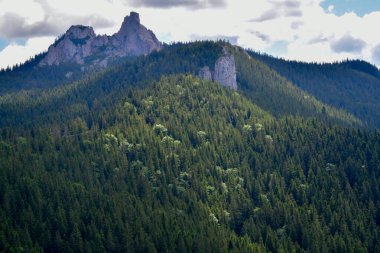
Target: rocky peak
{"type": "Point", "coordinates": [80, 42]}
{"type": "Point", "coordinates": [133, 18]}
{"type": "Point", "coordinates": [131, 23]}
{"type": "Point", "coordinates": [134, 38]}
{"type": "Point", "coordinates": [80, 32]}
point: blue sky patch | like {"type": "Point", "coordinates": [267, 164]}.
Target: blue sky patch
{"type": "Point", "coordinates": [21, 42]}
{"type": "Point", "coordinates": [360, 7]}
{"type": "Point", "coordinates": [3, 44]}
{"type": "Point", "coordinates": [278, 48]}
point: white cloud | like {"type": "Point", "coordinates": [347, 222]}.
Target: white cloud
{"type": "Point", "coordinates": [14, 53]}
{"type": "Point", "coordinates": [376, 54]}
{"type": "Point", "coordinates": [304, 26]}
{"type": "Point", "coordinates": [330, 8]}
{"type": "Point", "coordinates": [30, 10]}
{"type": "Point", "coordinates": [348, 44]}
{"type": "Point", "coordinates": [191, 4]}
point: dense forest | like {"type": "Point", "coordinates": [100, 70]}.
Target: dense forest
{"type": "Point", "coordinates": [149, 176]}
{"type": "Point", "coordinates": [352, 85]}
{"type": "Point", "coordinates": [146, 157]}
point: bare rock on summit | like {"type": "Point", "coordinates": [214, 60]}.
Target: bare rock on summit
{"type": "Point", "coordinates": [74, 45]}
{"type": "Point", "coordinates": [133, 38]}
{"type": "Point", "coordinates": [80, 32]}
{"type": "Point", "coordinates": [80, 44]}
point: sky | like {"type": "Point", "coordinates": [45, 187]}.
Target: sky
{"type": "Point", "coordinates": [305, 30]}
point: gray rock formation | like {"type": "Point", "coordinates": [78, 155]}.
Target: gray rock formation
{"type": "Point", "coordinates": [74, 46]}
{"type": "Point", "coordinates": [80, 44]}
{"type": "Point", "coordinates": [224, 71]}
{"type": "Point", "coordinates": [133, 38]}
{"type": "Point", "coordinates": [205, 73]}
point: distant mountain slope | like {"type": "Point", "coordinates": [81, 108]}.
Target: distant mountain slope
{"type": "Point", "coordinates": [351, 85]}
{"type": "Point", "coordinates": [276, 94]}
{"type": "Point", "coordinates": [29, 76]}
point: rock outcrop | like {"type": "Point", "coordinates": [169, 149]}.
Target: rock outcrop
{"type": "Point", "coordinates": [81, 45]}
{"type": "Point", "coordinates": [205, 73]}
{"type": "Point", "coordinates": [224, 71]}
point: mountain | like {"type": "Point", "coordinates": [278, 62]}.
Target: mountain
{"type": "Point", "coordinates": [194, 147]}
{"type": "Point", "coordinates": [277, 85]}
{"type": "Point", "coordinates": [78, 53]}
{"type": "Point", "coordinates": [80, 44]}
{"type": "Point", "coordinates": [351, 85]}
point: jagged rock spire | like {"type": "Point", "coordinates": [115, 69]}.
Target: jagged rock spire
{"type": "Point", "coordinates": [80, 42]}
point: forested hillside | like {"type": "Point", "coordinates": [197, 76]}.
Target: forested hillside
{"type": "Point", "coordinates": [180, 165]}
{"type": "Point", "coordinates": [350, 85]}
{"type": "Point", "coordinates": [101, 89]}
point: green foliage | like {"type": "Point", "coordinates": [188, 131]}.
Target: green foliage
{"type": "Point", "coordinates": [29, 76]}
{"type": "Point", "coordinates": [182, 165]}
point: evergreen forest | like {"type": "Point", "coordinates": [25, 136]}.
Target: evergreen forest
{"type": "Point", "coordinates": [144, 156]}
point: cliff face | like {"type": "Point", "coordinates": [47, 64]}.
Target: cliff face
{"type": "Point", "coordinates": [74, 46]}
{"type": "Point", "coordinates": [80, 44]}
{"type": "Point", "coordinates": [224, 71]}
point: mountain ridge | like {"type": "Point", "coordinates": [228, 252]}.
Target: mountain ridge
{"type": "Point", "coordinates": [255, 81]}
{"type": "Point", "coordinates": [80, 52]}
